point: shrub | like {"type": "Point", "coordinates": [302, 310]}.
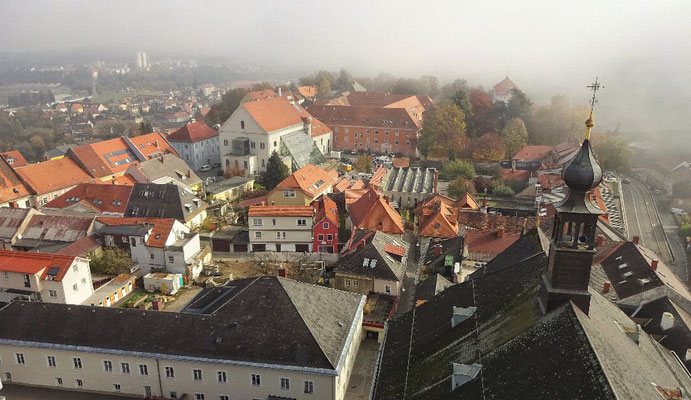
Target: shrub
{"type": "Point", "coordinates": [503, 191]}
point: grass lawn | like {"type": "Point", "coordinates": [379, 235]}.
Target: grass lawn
{"type": "Point", "coordinates": [117, 95]}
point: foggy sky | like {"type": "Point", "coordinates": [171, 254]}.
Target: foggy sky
{"type": "Point", "coordinates": [641, 50]}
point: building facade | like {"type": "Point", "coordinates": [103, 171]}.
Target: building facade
{"type": "Point", "coordinates": [281, 228]}
{"type": "Point", "coordinates": [197, 144]}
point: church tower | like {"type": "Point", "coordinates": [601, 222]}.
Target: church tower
{"type": "Point", "coordinates": [572, 245]}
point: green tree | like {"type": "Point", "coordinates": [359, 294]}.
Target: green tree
{"type": "Point", "coordinates": [262, 86]}
{"type": "Point", "coordinates": [514, 136]}
{"type": "Point", "coordinates": [445, 126]}
{"type": "Point", "coordinates": [276, 171]}
{"type": "Point", "coordinates": [38, 146]}
{"type": "Point", "coordinates": [460, 187]}
{"type": "Point", "coordinates": [363, 164]}
{"type": "Point", "coordinates": [220, 112]}
{"type": "Point", "coordinates": [112, 261]}
{"type": "Point", "coordinates": [503, 191]}
{"type": "Point", "coordinates": [614, 153]}
{"type": "Point", "coordinates": [519, 105]}
{"type": "Point", "coordinates": [145, 127]}
{"type": "Point", "coordinates": [344, 77]}
{"type": "Point", "coordinates": [457, 168]}
{"type": "Point", "coordinates": [462, 99]}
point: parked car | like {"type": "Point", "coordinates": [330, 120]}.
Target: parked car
{"type": "Point", "coordinates": [217, 165]}
{"type": "Point", "coordinates": [657, 191]}
{"type": "Point", "coordinates": [626, 180]}
{"type": "Point", "coordinates": [679, 211]}
{"type": "Point", "coordinates": [205, 168]}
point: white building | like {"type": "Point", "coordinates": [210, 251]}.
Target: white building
{"type": "Point", "coordinates": [261, 338]}
{"type": "Point", "coordinates": [164, 244]}
{"type": "Point", "coordinates": [281, 228]}
{"type": "Point", "coordinates": [197, 144]}
{"type": "Point", "coordinates": [50, 278]}
{"type": "Point", "coordinates": [258, 128]}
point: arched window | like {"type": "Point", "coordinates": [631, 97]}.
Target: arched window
{"type": "Point", "coordinates": [242, 124]}
{"type": "Point", "coordinates": [227, 163]}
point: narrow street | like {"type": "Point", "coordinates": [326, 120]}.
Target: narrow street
{"type": "Point", "coordinates": [405, 301]}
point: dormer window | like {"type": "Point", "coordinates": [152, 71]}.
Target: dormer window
{"type": "Point", "coordinates": [460, 314]}
{"type": "Point", "coordinates": [464, 373]}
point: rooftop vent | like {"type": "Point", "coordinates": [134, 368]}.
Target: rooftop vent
{"type": "Point", "coordinates": [667, 321]}
{"type": "Point", "coordinates": [365, 261]}
{"type": "Point", "coordinates": [460, 314]}
{"type": "Point", "coordinates": [464, 373]}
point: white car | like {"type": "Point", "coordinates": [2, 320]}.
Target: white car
{"type": "Point", "coordinates": [205, 168]}
{"type": "Point", "coordinates": [679, 211]}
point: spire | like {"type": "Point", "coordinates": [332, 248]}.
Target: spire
{"type": "Point", "coordinates": [589, 123]}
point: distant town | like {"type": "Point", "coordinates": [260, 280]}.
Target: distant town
{"type": "Point", "coordinates": [177, 229]}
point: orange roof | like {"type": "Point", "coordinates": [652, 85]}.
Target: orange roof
{"type": "Point", "coordinates": [104, 158]}
{"type": "Point", "coordinates": [102, 198]}
{"type": "Point", "coordinates": [81, 247]}
{"type": "Point", "coordinates": [262, 94]}
{"type": "Point", "coordinates": [274, 113]}
{"type": "Point", "coordinates": [14, 158]}
{"type": "Point", "coordinates": [395, 250]}
{"type": "Point", "coordinates": [377, 177]}
{"type": "Point", "coordinates": [402, 162]}
{"type": "Point", "coordinates": [310, 180]}
{"type": "Point", "coordinates": [326, 208]}
{"type": "Point", "coordinates": [488, 241]}
{"type": "Point", "coordinates": [549, 181]}
{"type": "Point", "coordinates": [11, 187]}
{"type": "Point", "coordinates": [52, 175]}
{"type": "Point", "coordinates": [35, 263]}
{"type": "Point", "coordinates": [281, 211]}
{"type": "Point", "coordinates": [341, 185]}
{"type": "Point", "coordinates": [504, 87]}
{"type": "Point", "coordinates": [533, 153]}
{"type": "Point", "coordinates": [159, 234]}
{"type": "Point", "coordinates": [467, 202]}
{"type": "Point", "coordinates": [371, 211]}
{"type": "Point", "coordinates": [519, 174]}
{"type": "Point", "coordinates": [307, 91]}
{"type": "Point", "coordinates": [192, 132]}
{"type": "Point", "coordinates": [153, 144]}
{"type": "Point", "coordinates": [440, 224]}
{"type": "Point", "coordinates": [123, 180]}
{"type": "Point", "coordinates": [597, 196]}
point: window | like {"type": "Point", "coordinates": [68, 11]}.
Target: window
{"type": "Point", "coordinates": [170, 372]}
{"type": "Point", "coordinates": [107, 366]}
{"type": "Point", "coordinates": [58, 381]}
{"type": "Point", "coordinates": [225, 142]}
{"type": "Point", "coordinates": [326, 225]}
{"type": "Point", "coordinates": [27, 280]}
{"type": "Point", "coordinates": [170, 258]}
{"type": "Point", "coordinates": [222, 378]}
{"type": "Point", "coordinates": [263, 163]}
{"type": "Point", "coordinates": [273, 222]}
{"type": "Point", "coordinates": [257, 222]}
{"type": "Point", "coordinates": [77, 362]}
{"type": "Point", "coordinates": [242, 124]}
{"type": "Point", "coordinates": [285, 384]}
{"type": "Point", "coordinates": [151, 256]}
{"type": "Point", "coordinates": [309, 387]}
{"type": "Point", "coordinates": [173, 395]}
{"type": "Point", "coordinates": [197, 374]}
{"type": "Point", "coordinates": [256, 380]}
{"type": "Point", "coordinates": [436, 226]}
{"type": "Point", "coordinates": [125, 368]}
{"type": "Point", "coordinates": [8, 376]}
{"type": "Point", "coordinates": [253, 145]}
{"type": "Point", "coordinates": [75, 268]}
{"type": "Point", "coordinates": [223, 397]}
{"type": "Point", "coordinates": [262, 146]}
{"type": "Point", "coordinates": [356, 283]}
{"type": "Point", "coordinates": [147, 391]}
{"type": "Point", "coordinates": [289, 193]}
{"type": "Point", "coordinates": [51, 361]}
{"type": "Point", "coordinates": [302, 222]}
{"type": "Point", "coordinates": [143, 370]}
{"type": "Point", "coordinates": [7, 275]}
{"type": "Point", "coordinates": [388, 289]}
{"type": "Point", "coordinates": [79, 383]}
{"type": "Point", "coordinates": [116, 387]}
{"type": "Point", "coordinates": [75, 287]}
{"type": "Point", "coordinates": [275, 143]}
{"type": "Point", "coordinates": [320, 237]}
{"type": "Point", "coordinates": [83, 281]}
{"type": "Point", "coordinates": [258, 235]}
{"type": "Point", "coordinates": [347, 282]}
{"type": "Point", "coordinates": [199, 396]}
{"type": "Point", "coordinates": [278, 235]}
{"type": "Point", "coordinates": [329, 237]}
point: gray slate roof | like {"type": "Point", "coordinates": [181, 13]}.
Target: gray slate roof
{"type": "Point", "coordinates": [152, 200]}
{"type": "Point", "coordinates": [387, 266]}
{"type": "Point", "coordinates": [10, 221]}
{"type": "Point", "coordinates": [261, 320]}
{"type": "Point", "coordinates": [431, 287]}
{"type": "Point", "coordinates": [169, 165]}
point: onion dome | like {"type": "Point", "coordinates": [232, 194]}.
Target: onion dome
{"type": "Point", "coordinates": [582, 173]}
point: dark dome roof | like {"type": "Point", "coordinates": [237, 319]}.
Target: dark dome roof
{"type": "Point", "coordinates": [582, 173]}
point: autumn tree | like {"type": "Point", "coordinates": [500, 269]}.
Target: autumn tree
{"type": "Point", "coordinates": [444, 131]}
{"type": "Point", "coordinates": [514, 136]}
{"type": "Point", "coordinates": [344, 77]}
{"type": "Point", "coordinates": [488, 148]}
{"type": "Point", "coordinates": [484, 118]}
{"type": "Point", "coordinates": [556, 122]}
{"type": "Point", "coordinates": [38, 145]}
{"type": "Point", "coordinates": [324, 89]}
{"type": "Point", "coordinates": [460, 187]}
{"type": "Point", "coordinates": [363, 163]}
{"type": "Point", "coordinates": [276, 171]}
{"type": "Point", "coordinates": [111, 261]}
{"type": "Point", "coordinates": [462, 99]}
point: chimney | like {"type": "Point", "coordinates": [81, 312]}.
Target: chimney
{"type": "Point", "coordinates": [513, 165]}
{"type": "Point", "coordinates": [282, 273]}
{"type": "Point", "coordinates": [189, 173]}
{"type": "Point", "coordinates": [157, 304]}
{"type": "Point", "coordinates": [158, 147]}
{"type": "Point", "coordinates": [280, 92]}
{"type": "Point", "coordinates": [484, 202]}
{"type": "Point", "coordinates": [600, 240]}
{"type": "Point", "coordinates": [606, 286]}
{"type": "Point", "coordinates": [653, 264]}
{"type": "Point", "coordinates": [500, 232]}
{"type": "Point", "coordinates": [635, 239]}
{"type": "Point", "coordinates": [667, 320]}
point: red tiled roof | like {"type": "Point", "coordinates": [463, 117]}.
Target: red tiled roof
{"type": "Point", "coordinates": [326, 208]}
{"type": "Point", "coordinates": [11, 187]}
{"type": "Point", "coordinates": [17, 159]}
{"type": "Point", "coordinates": [35, 263]}
{"type": "Point", "coordinates": [550, 181]}
{"type": "Point", "coordinates": [443, 215]}
{"type": "Point", "coordinates": [253, 201]}
{"type": "Point", "coordinates": [262, 94]}
{"type": "Point", "coordinates": [536, 153]}
{"type": "Point", "coordinates": [52, 175]}
{"type": "Point", "coordinates": [153, 144]}
{"type": "Point", "coordinates": [377, 177]}
{"type": "Point", "coordinates": [364, 116]}
{"type": "Point", "coordinates": [306, 178]}
{"type": "Point", "coordinates": [307, 91]}
{"type": "Point", "coordinates": [281, 211]}
{"type": "Point", "coordinates": [103, 198]}
{"type": "Point", "coordinates": [159, 234]}
{"type": "Point", "coordinates": [488, 241]}
{"type": "Point", "coordinates": [402, 162]}
{"type": "Point", "coordinates": [123, 180]}
{"type": "Point", "coordinates": [273, 114]}
{"type": "Point", "coordinates": [193, 132]}
{"type": "Point", "coordinates": [341, 185]}
{"type": "Point", "coordinates": [371, 211]}
{"type": "Point", "coordinates": [504, 87]}
{"type": "Point", "coordinates": [395, 250]}
{"type": "Point", "coordinates": [519, 174]}
{"type": "Point", "coordinates": [81, 248]}
{"type": "Point", "coordinates": [104, 158]}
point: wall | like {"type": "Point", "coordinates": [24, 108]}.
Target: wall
{"type": "Point", "coordinates": [294, 233]}
{"type": "Point", "coordinates": [365, 284]}
{"type": "Point", "coordinates": [276, 198]}
{"type": "Point", "coordinates": [344, 139]}
{"type": "Point", "coordinates": [320, 230]}
{"type": "Point", "coordinates": [380, 286]}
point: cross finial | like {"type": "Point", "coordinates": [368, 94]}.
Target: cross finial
{"type": "Point", "coordinates": [595, 86]}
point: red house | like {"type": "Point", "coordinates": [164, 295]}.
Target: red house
{"type": "Point", "coordinates": [325, 231]}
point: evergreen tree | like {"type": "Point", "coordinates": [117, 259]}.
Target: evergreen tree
{"type": "Point", "coordinates": [276, 171]}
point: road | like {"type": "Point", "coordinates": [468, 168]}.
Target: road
{"type": "Point", "coordinates": [654, 230]}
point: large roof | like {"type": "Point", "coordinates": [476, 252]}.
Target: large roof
{"type": "Point", "coordinates": [274, 113]}
{"type": "Point", "coordinates": [35, 263]}
{"type": "Point", "coordinates": [11, 186]}
{"type": "Point", "coordinates": [280, 211]}
{"type": "Point", "coordinates": [504, 87]}
{"type": "Point", "coordinates": [391, 118]}
{"type": "Point", "coordinates": [371, 211]}
{"type": "Point", "coordinates": [152, 144]}
{"type": "Point", "coordinates": [489, 241]}
{"type": "Point", "coordinates": [166, 167]}
{"type": "Point", "coordinates": [267, 320]}
{"type": "Point", "coordinates": [99, 197]}
{"type": "Point", "coordinates": [11, 220]}
{"type": "Point", "coordinates": [160, 227]}
{"type": "Point", "coordinates": [564, 354]}
{"type": "Point", "coordinates": [326, 208]}
{"type": "Point", "coordinates": [375, 255]}
{"type": "Point", "coordinates": [533, 153]}
{"type": "Point", "coordinates": [42, 177]}
{"type": "Point", "coordinates": [192, 132]}
{"type": "Point", "coordinates": [151, 200]}
{"type": "Point", "coordinates": [56, 228]}
{"type": "Point", "coordinates": [14, 158]}
{"type": "Point", "coordinates": [310, 180]}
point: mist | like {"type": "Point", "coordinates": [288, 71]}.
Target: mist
{"type": "Point", "coordinates": [640, 50]}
